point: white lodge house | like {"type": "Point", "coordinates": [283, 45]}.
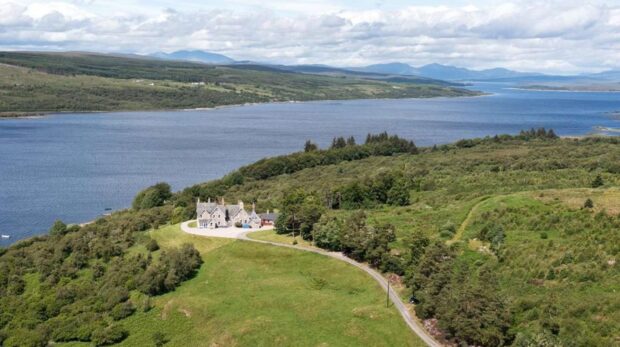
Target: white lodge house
{"type": "Point", "coordinates": [211, 215]}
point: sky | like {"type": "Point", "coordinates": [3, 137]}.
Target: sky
{"type": "Point", "coordinates": [563, 37]}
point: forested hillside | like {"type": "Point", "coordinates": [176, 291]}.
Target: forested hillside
{"type": "Point", "coordinates": [509, 240]}
{"type": "Point", "coordinates": [52, 82]}
{"type": "Point", "coordinates": [506, 240]}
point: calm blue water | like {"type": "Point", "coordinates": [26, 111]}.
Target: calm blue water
{"type": "Point", "coordinates": [73, 166]}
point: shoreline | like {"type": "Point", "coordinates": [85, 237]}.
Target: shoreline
{"type": "Point", "coordinates": [563, 90]}
{"type": "Point", "coordinates": [8, 242]}
{"type": "Point", "coordinates": [42, 114]}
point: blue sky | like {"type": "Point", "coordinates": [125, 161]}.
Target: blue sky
{"type": "Point", "coordinates": [548, 36]}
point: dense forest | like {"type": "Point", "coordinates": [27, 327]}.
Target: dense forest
{"type": "Point", "coordinates": [52, 82]}
{"type": "Point", "coordinates": [506, 240]}
{"type": "Point", "coordinates": [78, 283]}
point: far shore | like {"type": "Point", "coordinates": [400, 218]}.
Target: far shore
{"type": "Point", "coordinates": [559, 89]}
{"type": "Point", "coordinates": [40, 114]}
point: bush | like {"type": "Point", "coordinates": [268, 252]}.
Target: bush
{"type": "Point", "coordinates": [447, 230]}
{"type": "Point", "coordinates": [25, 338]}
{"type": "Point", "coordinates": [109, 335]}
{"type": "Point", "coordinates": [152, 196]}
{"type": "Point", "coordinates": [310, 146]}
{"type": "Point", "coordinates": [598, 182]}
{"type": "Point", "coordinates": [398, 195]}
{"type": "Point", "coordinates": [75, 328]}
{"type": "Point", "coordinates": [58, 228]}
{"type": "Point", "coordinates": [159, 339]}
{"type": "Point", "coordinates": [363, 242]}
{"type": "Point", "coordinates": [175, 265]}
{"type": "Point", "coordinates": [588, 203]}
{"type": "Point", "coordinates": [152, 246]}
{"type": "Point", "coordinates": [122, 310]}
{"type": "Point", "coordinates": [327, 232]}
{"type": "Point", "coordinates": [298, 213]}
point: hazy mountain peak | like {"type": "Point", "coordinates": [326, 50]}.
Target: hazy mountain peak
{"type": "Point", "coordinates": [195, 56]}
{"type": "Point", "coordinates": [444, 72]}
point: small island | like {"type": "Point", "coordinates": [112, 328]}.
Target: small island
{"type": "Point", "coordinates": [591, 87]}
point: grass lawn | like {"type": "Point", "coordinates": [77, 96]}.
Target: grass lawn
{"type": "Point", "coordinates": [248, 294]}
{"type": "Point", "coordinates": [270, 235]}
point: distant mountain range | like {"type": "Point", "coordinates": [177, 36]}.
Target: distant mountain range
{"type": "Point", "coordinates": [452, 73]}
{"type": "Point", "coordinates": [443, 72]}
{"type": "Point", "coordinates": [195, 56]}
{"type": "Point", "coordinates": [431, 73]}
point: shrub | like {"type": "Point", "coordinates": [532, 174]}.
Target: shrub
{"type": "Point", "coordinates": [447, 230]}
{"type": "Point", "coordinates": [327, 232]}
{"type": "Point", "coordinates": [159, 339]}
{"type": "Point", "coordinates": [175, 265]}
{"type": "Point", "coordinates": [299, 212]}
{"type": "Point", "coordinates": [122, 310]}
{"type": "Point", "coordinates": [365, 242]}
{"type": "Point", "coordinates": [310, 146]}
{"type": "Point", "coordinates": [25, 338]}
{"type": "Point", "coordinates": [588, 203]}
{"type": "Point", "coordinates": [398, 195]}
{"type": "Point", "coordinates": [597, 182]}
{"type": "Point", "coordinates": [58, 228]}
{"type": "Point", "coordinates": [152, 246]}
{"type": "Point", "coordinates": [152, 196]}
{"type": "Point", "coordinates": [550, 274]}
{"type": "Point", "coordinates": [109, 335]}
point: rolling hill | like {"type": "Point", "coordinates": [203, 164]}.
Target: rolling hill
{"type": "Point", "coordinates": [195, 56]}
{"type": "Point", "coordinates": [74, 81]}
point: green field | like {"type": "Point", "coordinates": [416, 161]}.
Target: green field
{"type": "Point", "coordinates": [249, 294]}
{"type": "Point", "coordinates": [272, 236]}
{"type": "Point", "coordinates": [54, 82]}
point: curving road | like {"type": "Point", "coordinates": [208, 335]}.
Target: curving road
{"type": "Point", "coordinates": [413, 324]}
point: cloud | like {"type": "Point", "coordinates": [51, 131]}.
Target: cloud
{"type": "Point", "coordinates": [528, 35]}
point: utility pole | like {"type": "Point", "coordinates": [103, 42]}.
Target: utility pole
{"type": "Point", "coordinates": [387, 298]}
{"type": "Point", "coordinates": [293, 226]}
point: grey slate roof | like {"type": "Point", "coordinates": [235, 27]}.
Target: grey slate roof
{"type": "Point", "coordinates": [269, 216]}
{"type": "Point", "coordinates": [233, 210]}
{"type": "Point", "coordinates": [210, 207]}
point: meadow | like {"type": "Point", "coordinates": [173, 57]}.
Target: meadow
{"type": "Point", "coordinates": [258, 295]}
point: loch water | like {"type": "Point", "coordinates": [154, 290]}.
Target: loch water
{"type": "Point", "coordinates": [75, 166]}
